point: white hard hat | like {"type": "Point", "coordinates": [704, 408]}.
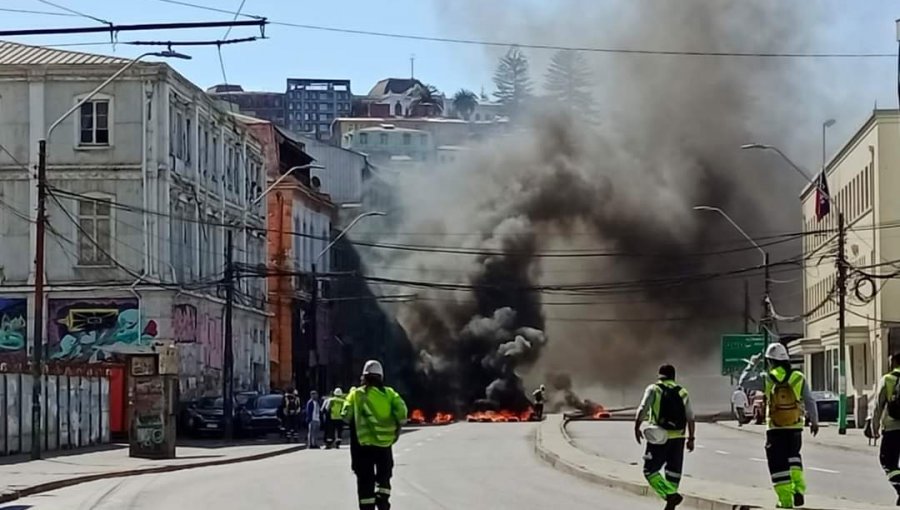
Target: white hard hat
{"type": "Point", "coordinates": [338, 392]}
{"type": "Point", "coordinates": [373, 367]}
{"type": "Point", "coordinates": [656, 435]}
{"type": "Point", "coordinates": [542, 387]}
{"type": "Point", "coordinates": [777, 352]}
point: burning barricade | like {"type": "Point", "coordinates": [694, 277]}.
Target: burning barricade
{"type": "Point", "coordinates": [502, 416]}
{"type": "Point", "coordinates": [418, 417]}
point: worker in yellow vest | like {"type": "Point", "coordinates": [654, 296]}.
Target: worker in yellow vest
{"type": "Point", "coordinates": [376, 413]}
{"type": "Point", "coordinates": [887, 420]}
{"type": "Point", "coordinates": [334, 422]}
{"type": "Point", "coordinates": [786, 395]}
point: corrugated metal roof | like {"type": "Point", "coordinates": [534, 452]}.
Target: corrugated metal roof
{"type": "Point", "coordinates": [23, 54]}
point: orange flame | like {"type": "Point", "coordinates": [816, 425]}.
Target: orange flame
{"type": "Point", "coordinates": [417, 417]}
{"type": "Point", "coordinates": [600, 413]}
{"type": "Point", "coordinates": [442, 418]}
{"type": "Point", "coordinates": [502, 416]}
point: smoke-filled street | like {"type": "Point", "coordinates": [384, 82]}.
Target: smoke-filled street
{"type": "Point", "coordinates": [470, 466]}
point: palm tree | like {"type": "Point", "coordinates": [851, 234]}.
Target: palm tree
{"type": "Point", "coordinates": [465, 101]}
{"type": "Point", "coordinates": [431, 96]}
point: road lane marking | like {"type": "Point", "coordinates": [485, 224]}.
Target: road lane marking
{"type": "Point", "coordinates": [720, 452]}
{"type": "Point", "coordinates": [420, 443]}
{"type": "Point", "coordinates": [755, 459]}
{"type": "Point", "coordinates": [822, 470]}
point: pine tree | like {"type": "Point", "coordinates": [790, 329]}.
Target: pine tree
{"type": "Point", "coordinates": [512, 81]}
{"type": "Point", "coordinates": [569, 82]}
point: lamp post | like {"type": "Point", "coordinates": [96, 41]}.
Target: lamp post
{"type": "Point", "coordinates": [228, 354]}
{"type": "Point", "coordinates": [841, 274]}
{"type": "Point", "coordinates": [765, 262]}
{"type": "Point", "coordinates": [40, 232]}
{"type": "Point", "coordinates": [314, 298]}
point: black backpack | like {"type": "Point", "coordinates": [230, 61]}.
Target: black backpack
{"type": "Point", "coordinates": [893, 404]}
{"type": "Point", "coordinates": [672, 412]}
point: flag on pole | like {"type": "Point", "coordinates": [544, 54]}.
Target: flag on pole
{"type": "Point", "coordinates": [823, 200]}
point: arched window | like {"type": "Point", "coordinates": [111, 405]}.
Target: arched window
{"type": "Point", "coordinates": [398, 110]}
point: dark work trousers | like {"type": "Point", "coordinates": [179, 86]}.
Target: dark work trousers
{"type": "Point", "coordinates": [333, 431]}
{"type": "Point", "coordinates": [890, 457]}
{"type": "Point", "coordinates": [785, 463]}
{"type": "Point", "coordinates": [668, 456]}
{"type": "Point", "coordinates": [373, 466]}
{"type": "Point", "coordinates": [539, 411]}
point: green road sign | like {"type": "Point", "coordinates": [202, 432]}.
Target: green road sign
{"type": "Point", "coordinates": [737, 349]}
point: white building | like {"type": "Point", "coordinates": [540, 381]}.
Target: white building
{"type": "Point", "coordinates": [143, 177]}
{"type": "Point", "coordinates": [862, 179]}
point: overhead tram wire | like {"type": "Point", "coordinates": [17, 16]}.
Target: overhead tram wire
{"type": "Point", "coordinates": [586, 49]}
{"type": "Point", "coordinates": [76, 13]}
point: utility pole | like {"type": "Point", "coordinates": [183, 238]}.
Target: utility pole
{"type": "Point", "coordinates": [228, 362]}
{"type": "Point", "coordinates": [37, 346]}
{"type": "Point", "coordinates": [746, 306]}
{"type": "Point", "coordinates": [842, 330]}
{"type": "Point", "coordinates": [767, 309]}
{"type": "Point", "coordinates": [314, 328]}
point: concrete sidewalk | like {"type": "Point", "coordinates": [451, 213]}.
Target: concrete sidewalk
{"type": "Point", "coordinates": [553, 445]}
{"type": "Point", "coordinates": [828, 436]}
{"type": "Point", "coordinates": [21, 477]}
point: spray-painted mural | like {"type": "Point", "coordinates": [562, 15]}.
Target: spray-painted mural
{"type": "Point", "coordinates": [13, 329]}
{"type": "Point", "coordinates": [94, 330]}
{"type": "Point", "coordinates": [200, 338]}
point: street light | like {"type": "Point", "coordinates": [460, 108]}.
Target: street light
{"type": "Point", "coordinates": [841, 275]}
{"type": "Point", "coordinates": [765, 262]}
{"type": "Point", "coordinates": [283, 177]}
{"type": "Point", "coordinates": [40, 220]}
{"type": "Point", "coordinates": [314, 298]}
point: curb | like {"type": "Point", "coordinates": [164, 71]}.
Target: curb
{"type": "Point", "coordinates": [13, 495]}
{"type": "Point", "coordinates": [615, 482]}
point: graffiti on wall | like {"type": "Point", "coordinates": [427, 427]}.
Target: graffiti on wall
{"type": "Point", "coordinates": [13, 330]}
{"type": "Point", "coordinates": [204, 329]}
{"type": "Point", "coordinates": [94, 330]}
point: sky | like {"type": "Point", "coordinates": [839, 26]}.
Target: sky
{"type": "Point", "coordinates": [306, 53]}
{"type": "Point", "coordinates": [288, 51]}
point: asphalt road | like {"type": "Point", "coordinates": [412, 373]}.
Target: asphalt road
{"type": "Point", "coordinates": [461, 466]}
{"type": "Point", "coordinates": [739, 457]}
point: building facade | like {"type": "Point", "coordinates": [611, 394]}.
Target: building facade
{"type": "Point", "coordinates": [312, 105]}
{"type": "Point", "coordinates": [862, 179]}
{"type": "Point", "coordinates": [144, 180]}
{"type": "Point", "coordinates": [269, 106]}
{"type": "Point", "coordinates": [387, 144]}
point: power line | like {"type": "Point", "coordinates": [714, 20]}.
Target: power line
{"type": "Point", "coordinates": [236, 15]}
{"type": "Point", "coordinates": [115, 29]}
{"type": "Point", "coordinates": [43, 13]}
{"type": "Point", "coordinates": [587, 49]}
{"type": "Point", "coordinates": [76, 13]}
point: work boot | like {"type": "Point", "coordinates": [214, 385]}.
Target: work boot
{"type": "Point", "coordinates": [799, 500]}
{"type": "Point", "coordinates": [673, 500]}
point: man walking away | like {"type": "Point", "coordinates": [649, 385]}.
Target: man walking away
{"type": "Point", "coordinates": [334, 424]}
{"type": "Point", "coordinates": [740, 403]}
{"type": "Point", "coordinates": [786, 394]}
{"type": "Point", "coordinates": [313, 419]}
{"type": "Point", "coordinates": [291, 413]}
{"type": "Point", "coordinates": [538, 395]}
{"type": "Point", "coordinates": [667, 407]}
{"type": "Point", "coordinates": [887, 418]}
{"type": "Point", "coordinates": [376, 413]}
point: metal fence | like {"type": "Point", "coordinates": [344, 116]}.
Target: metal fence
{"type": "Point", "coordinates": [76, 411]}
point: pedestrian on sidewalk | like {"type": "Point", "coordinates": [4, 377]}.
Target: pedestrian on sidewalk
{"type": "Point", "coordinates": [291, 413]}
{"type": "Point", "coordinates": [740, 403]}
{"type": "Point", "coordinates": [313, 419]}
{"type": "Point", "coordinates": [667, 407]}
{"type": "Point", "coordinates": [334, 423]}
{"type": "Point", "coordinates": [886, 418]}
{"type": "Point", "coordinates": [786, 395]}
{"type": "Point", "coordinates": [538, 396]}
{"type": "Point", "coordinates": [376, 413]}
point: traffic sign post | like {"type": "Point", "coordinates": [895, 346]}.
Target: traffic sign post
{"type": "Point", "coordinates": [738, 348]}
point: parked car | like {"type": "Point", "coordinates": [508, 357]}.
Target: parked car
{"type": "Point", "coordinates": [259, 414]}
{"type": "Point", "coordinates": [203, 416]}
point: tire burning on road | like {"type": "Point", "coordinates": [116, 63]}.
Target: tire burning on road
{"type": "Point", "coordinates": [502, 416]}
{"type": "Point", "coordinates": [418, 417]}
